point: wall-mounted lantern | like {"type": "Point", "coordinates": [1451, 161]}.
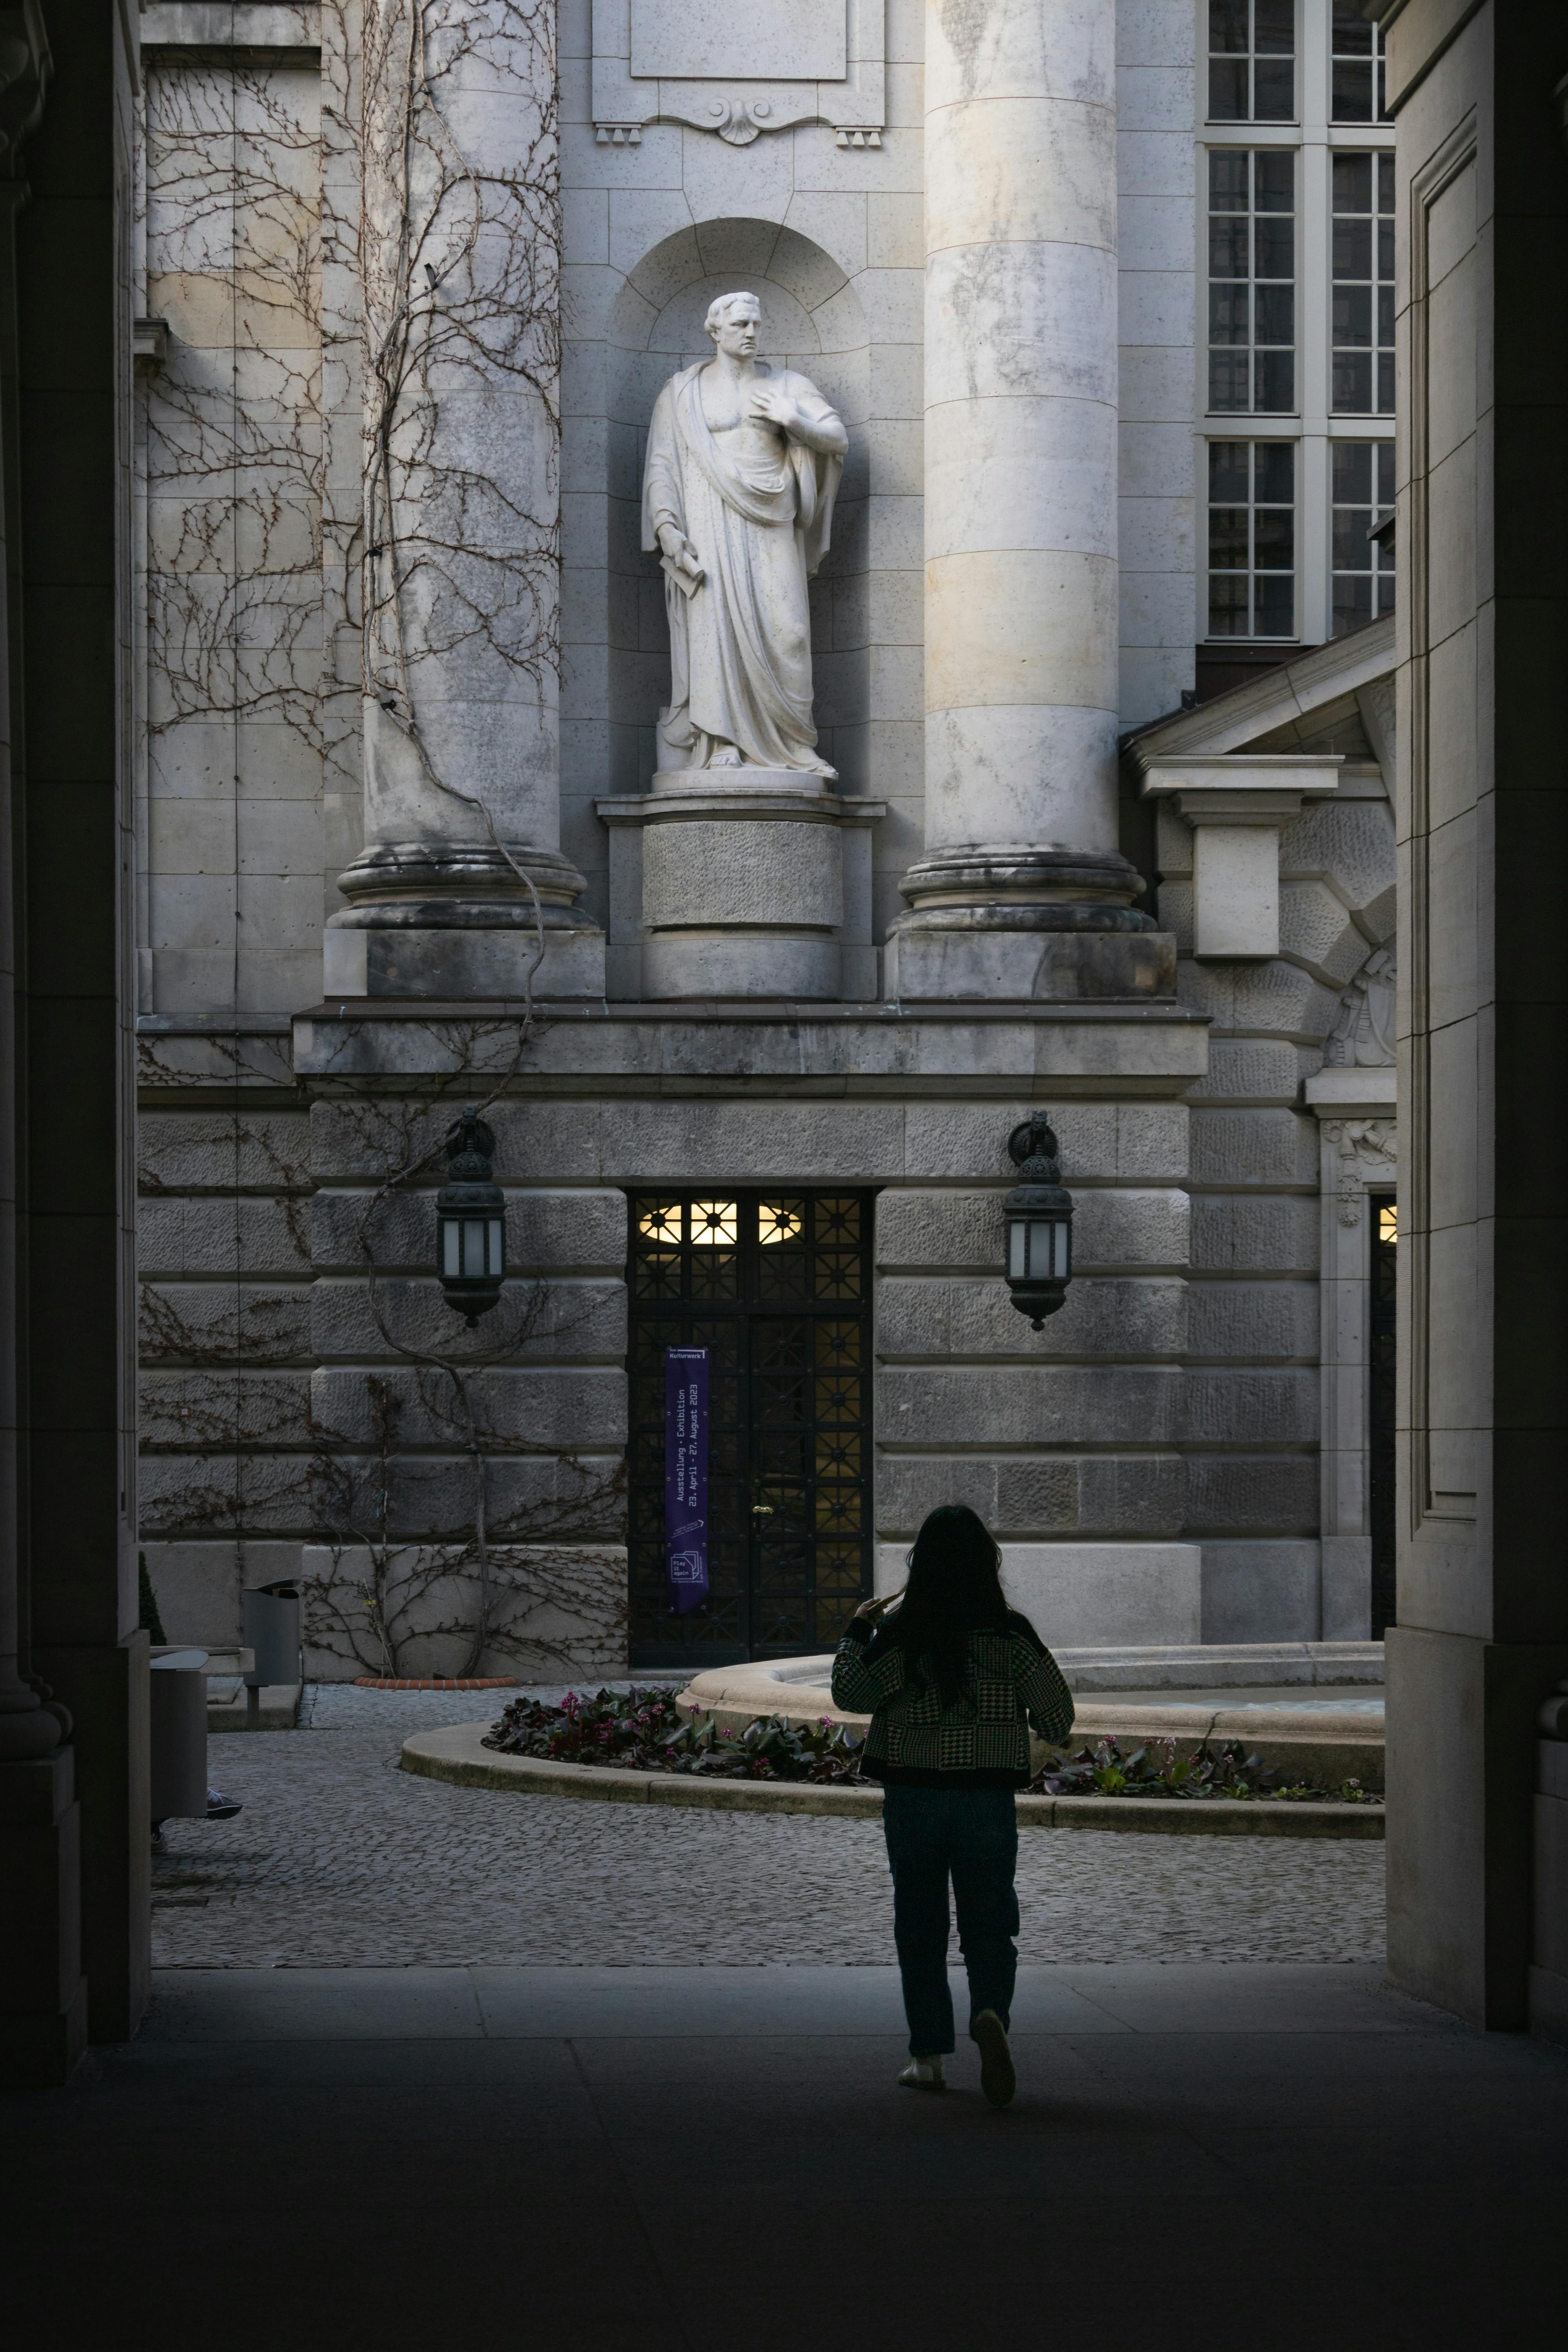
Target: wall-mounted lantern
{"type": "Point", "coordinates": [1040, 1222]}
{"type": "Point", "coordinates": [471, 1221]}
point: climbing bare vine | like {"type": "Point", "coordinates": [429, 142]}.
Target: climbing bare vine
{"type": "Point", "coordinates": [235, 551]}
{"type": "Point", "coordinates": [442, 1523]}
{"type": "Point", "coordinates": [459, 268]}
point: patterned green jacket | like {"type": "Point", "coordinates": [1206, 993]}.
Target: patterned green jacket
{"type": "Point", "coordinates": [980, 1742]}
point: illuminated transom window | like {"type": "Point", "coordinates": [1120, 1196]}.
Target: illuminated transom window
{"type": "Point", "coordinates": [659, 1221]}
{"type": "Point", "coordinates": [714, 1223]}
{"type": "Point", "coordinates": [779, 1221]}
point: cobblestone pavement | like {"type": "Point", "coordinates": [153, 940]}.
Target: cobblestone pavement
{"type": "Point", "coordinates": [339, 1859]}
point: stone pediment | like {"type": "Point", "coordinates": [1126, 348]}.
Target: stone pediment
{"type": "Point", "coordinates": [1334, 700]}
{"type": "Point", "coordinates": [739, 67]}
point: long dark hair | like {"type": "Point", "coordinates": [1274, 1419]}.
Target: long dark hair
{"type": "Point", "coordinates": [955, 1589]}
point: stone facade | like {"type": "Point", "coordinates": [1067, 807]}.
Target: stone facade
{"type": "Point", "coordinates": [364, 851]}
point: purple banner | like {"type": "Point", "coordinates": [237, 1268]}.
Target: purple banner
{"type": "Point", "coordinates": [686, 1477]}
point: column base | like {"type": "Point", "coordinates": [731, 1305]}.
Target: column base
{"type": "Point", "coordinates": [996, 952]}
{"type": "Point", "coordinates": [1002, 920]}
{"type": "Point", "coordinates": [456, 921]}
{"type": "Point", "coordinates": [447, 964]}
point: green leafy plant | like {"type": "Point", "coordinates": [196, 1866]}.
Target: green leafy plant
{"type": "Point", "coordinates": [1156, 1769]}
{"type": "Point", "coordinates": [643, 1731]}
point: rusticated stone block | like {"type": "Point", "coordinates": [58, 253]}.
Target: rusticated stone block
{"type": "Point", "coordinates": [195, 1409]}
{"type": "Point", "coordinates": [193, 1493]}
{"type": "Point", "coordinates": [1254, 1147]}
{"type": "Point", "coordinates": [185, 1150]}
{"type": "Point", "coordinates": [1132, 1494]}
{"type": "Point", "coordinates": [1316, 929]}
{"type": "Point", "coordinates": [1274, 996]}
{"type": "Point", "coordinates": [1254, 1319]}
{"type": "Point", "coordinates": [967, 1142]}
{"type": "Point", "coordinates": [1235, 1233]}
{"type": "Point", "coordinates": [935, 1317]}
{"type": "Point", "coordinates": [1120, 1226]}
{"type": "Point", "coordinates": [1151, 1142]}
{"type": "Point", "coordinates": [1035, 1496]}
{"type": "Point", "coordinates": [1348, 843]}
{"type": "Point", "coordinates": [535, 1319]}
{"type": "Point", "coordinates": [217, 1323]}
{"type": "Point", "coordinates": [1244, 1406]}
{"type": "Point", "coordinates": [1252, 1069]}
{"type": "Point", "coordinates": [1252, 1493]}
{"type": "Point", "coordinates": [851, 1144]}
{"type": "Point", "coordinates": [545, 1231]}
{"type": "Point", "coordinates": [1028, 1404]}
{"type": "Point", "coordinates": [237, 1236]}
{"type": "Point", "coordinates": [197, 1587]}
{"type": "Point", "coordinates": [940, 1229]}
{"type": "Point", "coordinates": [534, 1497]}
{"type": "Point", "coordinates": [564, 1408]}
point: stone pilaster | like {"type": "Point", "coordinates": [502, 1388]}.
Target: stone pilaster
{"type": "Point", "coordinates": [459, 207]}
{"type": "Point", "coordinates": [1020, 514]}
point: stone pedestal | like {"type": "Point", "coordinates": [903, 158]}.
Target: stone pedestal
{"type": "Point", "coordinates": [721, 887]}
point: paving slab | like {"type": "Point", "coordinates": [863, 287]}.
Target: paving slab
{"type": "Point", "coordinates": [338, 1858]}
{"type": "Point", "coordinates": [655, 2157]}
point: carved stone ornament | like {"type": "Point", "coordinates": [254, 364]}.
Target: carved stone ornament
{"type": "Point", "coordinates": [739, 67]}
{"type": "Point", "coordinates": [1363, 1036]}
{"type": "Point", "coordinates": [1368, 1154]}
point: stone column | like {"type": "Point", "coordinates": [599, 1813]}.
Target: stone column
{"type": "Point", "coordinates": [1020, 512]}
{"type": "Point", "coordinates": [460, 278]}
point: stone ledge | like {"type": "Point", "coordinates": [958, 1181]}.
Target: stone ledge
{"type": "Point", "coordinates": [1327, 1746]}
{"type": "Point", "coordinates": [457, 1754]}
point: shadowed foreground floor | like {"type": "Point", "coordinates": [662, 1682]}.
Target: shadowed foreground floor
{"type": "Point", "coordinates": [1285, 2156]}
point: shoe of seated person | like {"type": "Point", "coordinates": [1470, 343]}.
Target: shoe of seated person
{"type": "Point", "coordinates": [997, 2079]}
{"type": "Point", "coordinates": [923, 2075]}
{"type": "Point", "coordinates": [221, 1808]}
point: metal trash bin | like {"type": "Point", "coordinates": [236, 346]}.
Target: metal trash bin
{"type": "Point", "coordinates": [272, 1632]}
{"type": "Point", "coordinates": [178, 1690]}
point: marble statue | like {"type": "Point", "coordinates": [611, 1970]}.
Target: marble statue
{"type": "Point", "coordinates": [743, 464]}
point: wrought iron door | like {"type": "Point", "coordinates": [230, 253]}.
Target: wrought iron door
{"type": "Point", "coordinates": [777, 1288]}
{"type": "Point", "coordinates": [1382, 1450]}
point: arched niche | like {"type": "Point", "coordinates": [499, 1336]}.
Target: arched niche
{"type": "Point", "coordinates": [649, 324]}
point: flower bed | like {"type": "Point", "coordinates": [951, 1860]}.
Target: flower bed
{"type": "Point", "coordinates": [1156, 1769]}
{"type": "Point", "coordinates": [642, 1731]}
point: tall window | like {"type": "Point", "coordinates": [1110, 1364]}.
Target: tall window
{"type": "Point", "coordinates": [1252, 539]}
{"type": "Point", "coordinates": [1357, 68]}
{"type": "Point", "coordinates": [1252, 279]}
{"type": "Point", "coordinates": [1252, 61]}
{"type": "Point", "coordinates": [1362, 568]}
{"type": "Point", "coordinates": [1364, 286]}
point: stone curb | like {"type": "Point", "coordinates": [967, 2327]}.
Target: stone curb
{"type": "Point", "coordinates": [456, 1753]}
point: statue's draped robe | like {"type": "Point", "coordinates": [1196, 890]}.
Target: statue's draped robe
{"type": "Point", "coordinates": [740, 647]}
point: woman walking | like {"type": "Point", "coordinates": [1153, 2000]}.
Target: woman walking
{"type": "Point", "coordinates": [952, 1679]}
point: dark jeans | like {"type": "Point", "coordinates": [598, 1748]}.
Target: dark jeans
{"type": "Point", "coordinates": [971, 1836]}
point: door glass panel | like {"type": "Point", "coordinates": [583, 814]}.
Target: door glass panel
{"type": "Point", "coordinates": [777, 1287]}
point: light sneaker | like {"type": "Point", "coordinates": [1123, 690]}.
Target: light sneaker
{"type": "Point", "coordinates": [923, 2075]}
{"type": "Point", "coordinates": [997, 2079]}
